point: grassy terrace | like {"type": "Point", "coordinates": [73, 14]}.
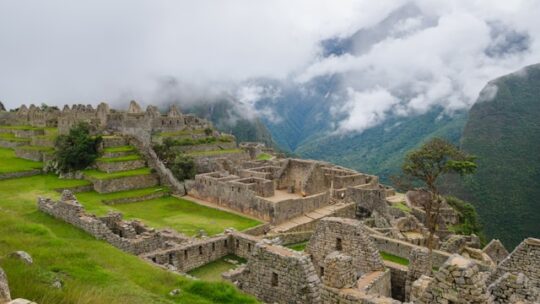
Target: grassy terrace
{"type": "Point", "coordinates": [180, 133]}
{"type": "Point", "coordinates": [212, 271]}
{"type": "Point", "coordinates": [401, 206]}
{"type": "Point", "coordinates": [10, 163]}
{"type": "Point", "coordinates": [92, 271]}
{"type": "Point", "coordinates": [36, 148]}
{"type": "Point", "coordinates": [176, 213]}
{"type": "Point", "coordinates": [264, 156]}
{"type": "Point", "coordinates": [298, 246]}
{"type": "Point", "coordinates": [119, 149]}
{"type": "Point", "coordinates": [103, 175]}
{"type": "Point", "coordinates": [26, 128]}
{"type": "Point", "coordinates": [394, 258]}
{"type": "Point", "coordinates": [11, 137]}
{"type": "Point", "coordinates": [215, 152]}
{"type": "Point", "coordinates": [120, 158]}
{"type": "Point", "coordinates": [95, 197]}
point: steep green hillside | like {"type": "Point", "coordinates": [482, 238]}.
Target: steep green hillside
{"type": "Point", "coordinates": [380, 150]}
{"type": "Point", "coordinates": [505, 135]}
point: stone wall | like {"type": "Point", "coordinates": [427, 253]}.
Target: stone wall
{"type": "Point", "coordinates": [132, 237]}
{"type": "Point", "coordinates": [19, 174]}
{"type": "Point", "coordinates": [524, 259]}
{"type": "Point", "coordinates": [29, 154]}
{"type": "Point", "coordinates": [117, 166]}
{"type": "Point", "coordinates": [4, 287]}
{"type": "Point", "coordinates": [496, 251]}
{"type": "Point", "coordinates": [511, 288]}
{"type": "Point", "coordinates": [125, 183]}
{"type": "Point", "coordinates": [398, 279]}
{"type": "Point", "coordinates": [347, 236]}
{"type": "Point", "coordinates": [276, 274]}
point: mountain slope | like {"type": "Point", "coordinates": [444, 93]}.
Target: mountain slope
{"type": "Point", "coordinates": [505, 135]}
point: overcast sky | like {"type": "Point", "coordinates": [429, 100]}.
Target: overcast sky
{"type": "Point", "coordinates": [73, 51]}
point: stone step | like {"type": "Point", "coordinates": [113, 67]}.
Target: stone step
{"type": "Point", "coordinates": [110, 141]}
{"type": "Point", "coordinates": [121, 181]}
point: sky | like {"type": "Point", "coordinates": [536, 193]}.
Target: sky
{"type": "Point", "coordinates": [405, 56]}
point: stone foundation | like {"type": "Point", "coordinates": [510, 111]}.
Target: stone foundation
{"type": "Point", "coordinates": [125, 183]}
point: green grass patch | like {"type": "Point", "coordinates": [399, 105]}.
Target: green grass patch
{"type": "Point", "coordinates": [172, 212]}
{"type": "Point", "coordinates": [298, 246]}
{"type": "Point", "coordinates": [120, 158]}
{"type": "Point", "coordinates": [25, 128]}
{"type": "Point", "coordinates": [180, 133]}
{"type": "Point", "coordinates": [92, 173]}
{"type": "Point", "coordinates": [11, 163]}
{"type": "Point", "coordinates": [394, 258]}
{"type": "Point", "coordinates": [92, 271]}
{"type": "Point", "coordinates": [264, 156]}
{"type": "Point", "coordinates": [93, 198]}
{"type": "Point", "coordinates": [11, 137]}
{"type": "Point", "coordinates": [402, 206]}
{"type": "Point", "coordinates": [215, 152]}
{"type": "Point", "coordinates": [119, 149]}
{"type": "Point", "coordinates": [212, 271]}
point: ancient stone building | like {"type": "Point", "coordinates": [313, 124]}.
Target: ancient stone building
{"type": "Point", "coordinates": [524, 259]}
{"type": "Point", "coordinates": [348, 237]}
{"type": "Point", "coordinates": [496, 251]}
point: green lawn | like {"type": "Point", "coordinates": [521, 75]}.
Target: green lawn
{"type": "Point", "coordinates": [95, 198]}
{"type": "Point", "coordinates": [11, 137]}
{"type": "Point", "coordinates": [104, 175]}
{"type": "Point", "coordinates": [10, 163]}
{"type": "Point", "coordinates": [401, 206]}
{"type": "Point", "coordinates": [20, 128]}
{"type": "Point", "coordinates": [298, 246]}
{"type": "Point", "coordinates": [92, 271]}
{"type": "Point", "coordinates": [215, 152]}
{"type": "Point", "coordinates": [120, 158]}
{"type": "Point", "coordinates": [180, 133]}
{"type": "Point", "coordinates": [212, 271]}
{"type": "Point", "coordinates": [180, 214]}
{"type": "Point", "coordinates": [394, 258]}
{"type": "Point", "coordinates": [264, 156]}
{"type": "Point", "coordinates": [119, 149]}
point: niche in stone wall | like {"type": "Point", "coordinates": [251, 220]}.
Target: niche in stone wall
{"type": "Point", "coordinates": [275, 279]}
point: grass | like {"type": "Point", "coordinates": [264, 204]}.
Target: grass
{"type": "Point", "coordinates": [103, 175]}
{"type": "Point", "coordinates": [215, 152]}
{"type": "Point", "coordinates": [394, 258]}
{"type": "Point", "coordinates": [298, 246]}
{"type": "Point", "coordinates": [264, 156]}
{"type": "Point", "coordinates": [94, 197]}
{"type": "Point", "coordinates": [11, 137]}
{"type": "Point", "coordinates": [172, 212]}
{"type": "Point", "coordinates": [26, 128]}
{"type": "Point", "coordinates": [180, 133]}
{"type": "Point", "coordinates": [401, 206]}
{"type": "Point", "coordinates": [92, 271]}
{"type": "Point", "coordinates": [119, 149]}
{"type": "Point", "coordinates": [120, 158]}
{"type": "Point", "coordinates": [212, 271]}
{"type": "Point", "coordinates": [10, 163]}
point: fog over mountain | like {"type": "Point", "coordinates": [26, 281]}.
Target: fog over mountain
{"type": "Point", "coordinates": [358, 63]}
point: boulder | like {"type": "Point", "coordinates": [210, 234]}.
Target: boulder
{"type": "Point", "coordinates": [23, 256]}
{"type": "Point", "coordinates": [4, 287]}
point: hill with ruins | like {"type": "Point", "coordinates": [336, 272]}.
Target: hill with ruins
{"type": "Point", "coordinates": [269, 228]}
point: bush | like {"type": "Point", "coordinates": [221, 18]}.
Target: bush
{"type": "Point", "coordinates": [468, 217]}
{"type": "Point", "coordinates": [77, 150]}
{"type": "Point", "coordinates": [181, 165]}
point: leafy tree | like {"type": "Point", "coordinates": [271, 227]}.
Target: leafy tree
{"type": "Point", "coordinates": [436, 158]}
{"type": "Point", "coordinates": [468, 218]}
{"type": "Point", "coordinates": [76, 150]}
{"type": "Point", "coordinates": [181, 165]}
{"type": "Point", "coordinates": [208, 131]}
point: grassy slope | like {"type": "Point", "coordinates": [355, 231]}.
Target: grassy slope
{"type": "Point", "coordinates": [93, 271]}
{"type": "Point", "coordinates": [212, 271]}
{"type": "Point", "coordinates": [505, 135]}
{"type": "Point", "coordinates": [10, 163]}
{"type": "Point", "coordinates": [103, 175]}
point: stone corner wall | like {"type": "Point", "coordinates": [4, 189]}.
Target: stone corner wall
{"type": "Point", "coordinates": [524, 259]}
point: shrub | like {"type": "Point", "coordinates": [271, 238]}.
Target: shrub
{"type": "Point", "coordinates": [181, 165]}
{"type": "Point", "coordinates": [76, 150]}
{"type": "Point", "coordinates": [468, 217]}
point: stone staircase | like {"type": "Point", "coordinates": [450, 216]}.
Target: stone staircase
{"type": "Point", "coordinates": [308, 221]}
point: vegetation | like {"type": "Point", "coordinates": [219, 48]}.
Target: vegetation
{"type": "Point", "coordinates": [504, 133]}
{"type": "Point", "coordinates": [298, 246]}
{"type": "Point", "coordinates": [91, 271]}
{"type": "Point", "coordinates": [401, 206]}
{"type": "Point", "coordinates": [77, 150]}
{"type": "Point", "coordinates": [264, 156]}
{"type": "Point", "coordinates": [428, 164]}
{"type": "Point", "coordinates": [394, 258]}
{"type": "Point", "coordinates": [91, 173]}
{"type": "Point", "coordinates": [10, 163]}
{"type": "Point", "coordinates": [120, 158]}
{"type": "Point", "coordinates": [468, 218]}
{"type": "Point", "coordinates": [212, 271]}
{"type": "Point", "coordinates": [215, 152]}
{"type": "Point", "coordinates": [176, 213]}
{"type": "Point", "coordinates": [11, 137]}
{"type": "Point", "coordinates": [181, 165]}
{"type": "Point", "coordinates": [119, 149]}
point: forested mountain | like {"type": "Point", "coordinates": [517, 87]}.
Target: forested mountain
{"type": "Point", "coordinates": [504, 133]}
